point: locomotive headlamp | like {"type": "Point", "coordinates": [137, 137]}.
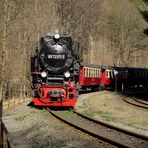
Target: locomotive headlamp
{"type": "Point", "coordinates": [43, 74]}
{"type": "Point", "coordinates": [57, 36]}
{"type": "Point", "coordinates": [67, 74]}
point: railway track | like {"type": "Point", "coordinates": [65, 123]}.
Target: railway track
{"type": "Point", "coordinates": [109, 134]}
{"type": "Point", "coordinates": [141, 101]}
{"type": "Point", "coordinates": [136, 103]}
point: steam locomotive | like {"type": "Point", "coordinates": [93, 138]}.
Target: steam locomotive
{"type": "Point", "coordinates": [54, 71]}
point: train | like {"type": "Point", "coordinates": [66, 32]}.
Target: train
{"type": "Point", "coordinates": [58, 74]}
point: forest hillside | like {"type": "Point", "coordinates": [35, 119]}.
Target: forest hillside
{"type": "Point", "coordinates": [104, 32]}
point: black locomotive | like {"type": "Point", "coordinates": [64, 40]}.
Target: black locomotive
{"type": "Point", "coordinates": [55, 57]}
{"type": "Point", "coordinates": [54, 70]}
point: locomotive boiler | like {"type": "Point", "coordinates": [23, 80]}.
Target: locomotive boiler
{"type": "Point", "coordinates": [54, 71]}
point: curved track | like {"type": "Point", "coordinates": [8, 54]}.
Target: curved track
{"type": "Point", "coordinates": [136, 103]}
{"type": "Point", "coordinates": [107, 133]}
{"type": "Point", "coordinates": [141, 101]}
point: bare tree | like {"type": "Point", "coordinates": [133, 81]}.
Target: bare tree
{"type": "Point", "coordinates": [125, 32]}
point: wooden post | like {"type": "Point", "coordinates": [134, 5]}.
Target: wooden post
{"type": "Point", "coordinates": [1, 128]}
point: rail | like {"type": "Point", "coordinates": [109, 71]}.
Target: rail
{"type": "Point", "coordinates": [89, 132]}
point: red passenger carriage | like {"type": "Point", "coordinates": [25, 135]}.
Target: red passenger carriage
{"type": "Point", "coordinates": [107, 77]}
{"type": "Point", "coordinates": [90, 76]}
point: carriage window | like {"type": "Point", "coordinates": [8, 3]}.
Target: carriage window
{"type": "Point", "coordinates": [94, 72]}
{"type": "Point", "coordinates": [84, 72]}
{"type": "Point", "coordinates": [111, 74]}
{"type": "Point", "coordinates": [91, 72]}
{"type": "Point", "coordinates": [107, 73]}
{"type": "Point", "coordinates": [88, 72]}
{"type": "Point", "coordinates": [97, 73]}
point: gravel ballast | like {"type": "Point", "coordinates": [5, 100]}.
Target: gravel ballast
{"type": "Point", "coordinates": [32, 127]}
{"type": "Point", "coordinates": [35, 128]}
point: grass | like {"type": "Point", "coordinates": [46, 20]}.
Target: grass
{"type": "Point", "coordinates": [109, 118]}
{"type": "Point", "coordinates": [145, 122]}
{"type": "Point", "coordinates": [114, 2]}
{"type": "Point", "coordinates": [67, 113]}
{"type": "Point", "coordinates": [45, 112]}
{"type": "Point", "coordinates": [104, 115]}
{"type": "Point", "coordinates": [90, 114]}
{"type": "Point", "coordinates": [80, 107]}
{"type": "Point", "coordinates": [21, 118]}
{"type": "Point", "coordinates": [139, 4]}
{"type": "Point", "coordinates": [119, 109]}
{"type": "Point", "coordinates": [32, 112]}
